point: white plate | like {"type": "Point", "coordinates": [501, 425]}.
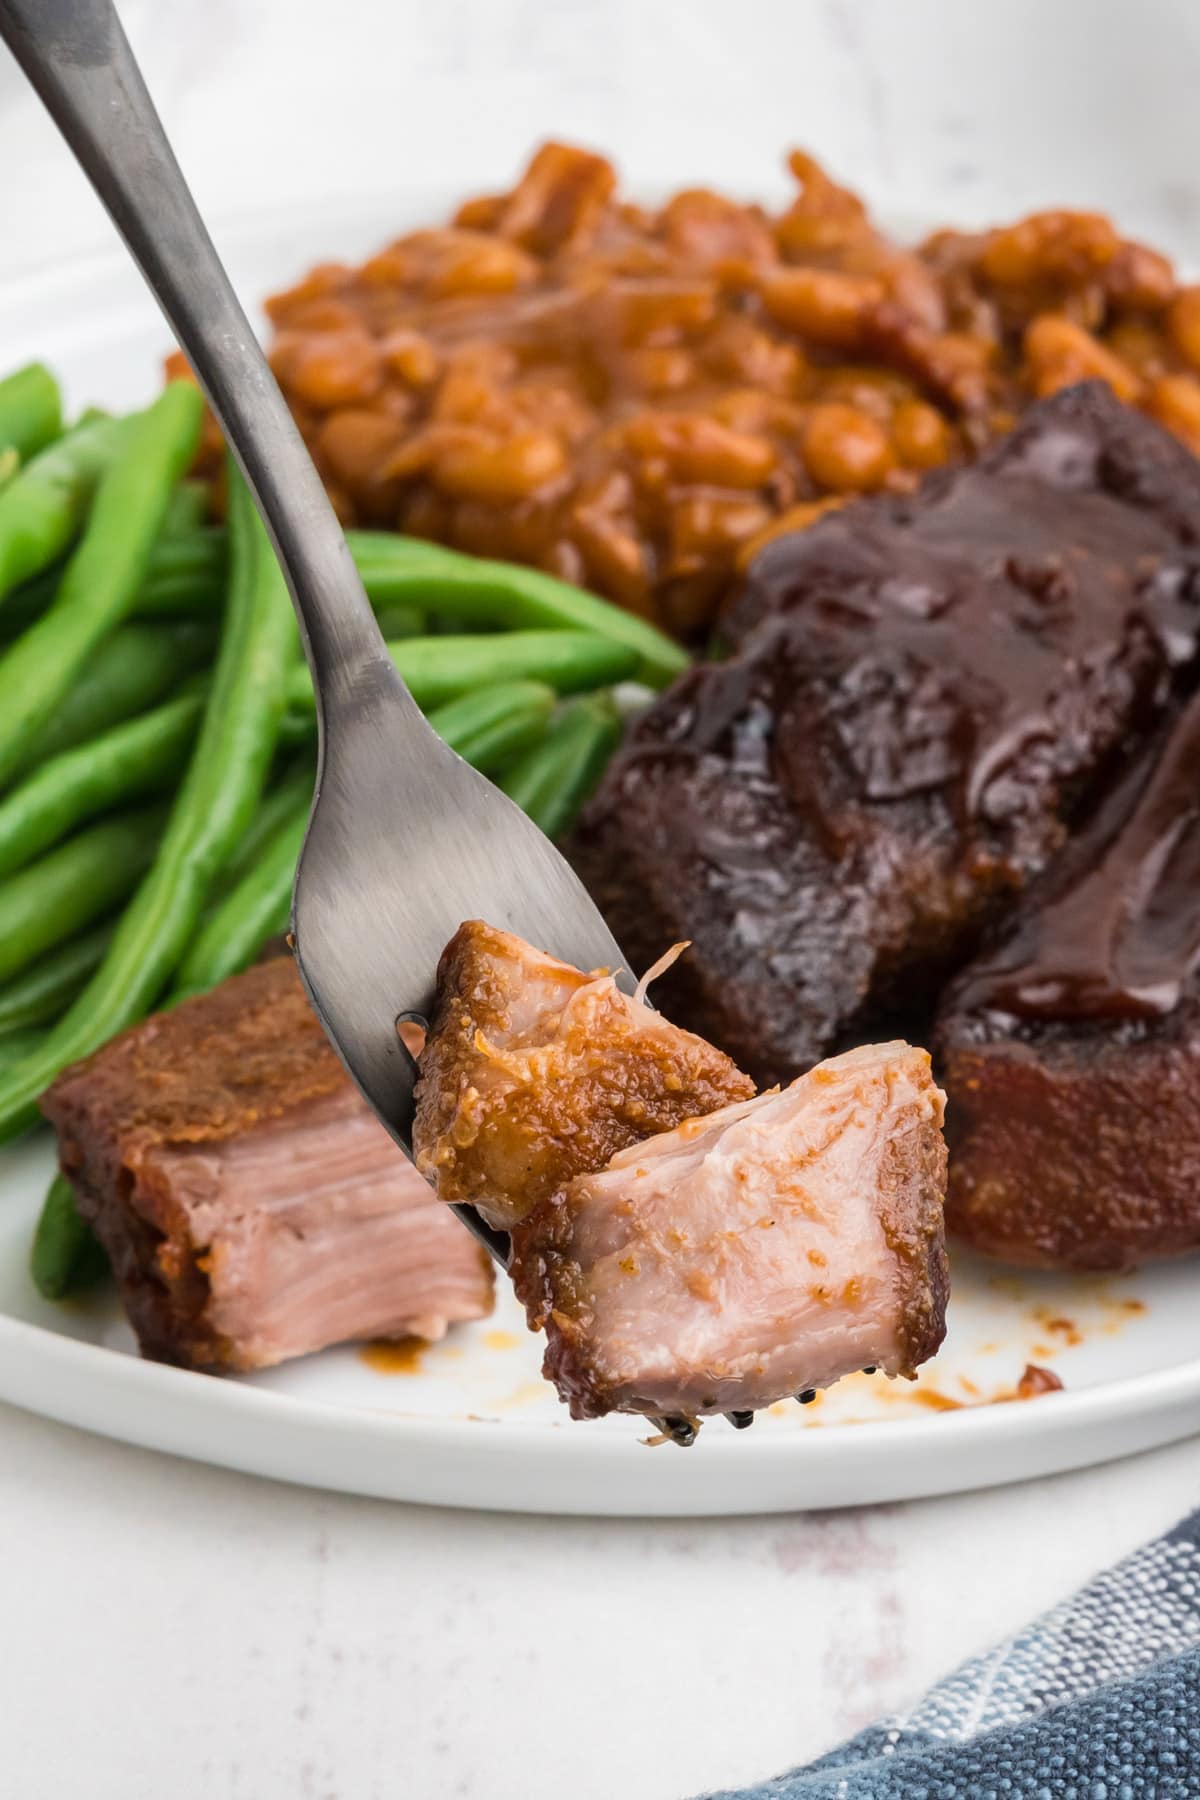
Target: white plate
{"type": "Point", "coordinates": [473, 1424]}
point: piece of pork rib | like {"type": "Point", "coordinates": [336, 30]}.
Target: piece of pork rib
{"type": "Point", "coordinates": [252, 1206]}
{"type": "Point", "coordinates": [534, 1072]}
{"type": "Point", "coordinates": [773, 1247]}
{"type": "Point", "coordinates": [1071, 1048]}
{"type": "Point", "coordinates": [926, 693]}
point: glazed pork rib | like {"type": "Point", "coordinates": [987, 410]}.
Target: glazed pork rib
{"type": "Point", "coordinates": [1071, 1049]}
{"type": "Point", "coordinates": [926, 693]}
{"type": "Point", "coordinates": [687, 1247]}
{"type": "Point", "coordinates": [772, 1247]}
{"type": "Point", "coordinates": [252, 1206]}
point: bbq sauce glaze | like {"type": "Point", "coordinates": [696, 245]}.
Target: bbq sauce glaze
{"type": "Point", "coordinates": [1051, 582]}
{"type": "Point", "coordinates": [1116, 932]}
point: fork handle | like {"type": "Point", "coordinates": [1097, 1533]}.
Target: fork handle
{"type": "Point", "coordinates": [78, 58]}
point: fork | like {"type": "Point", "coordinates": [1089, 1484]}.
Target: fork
{"type": "Point", "coordinates": [405, 840]}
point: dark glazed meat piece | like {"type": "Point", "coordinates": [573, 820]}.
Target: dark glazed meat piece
{"type": "Point", "coordinates": [925, 694]}
{"type": "Point", "coordinates": [774, 1246]}
{"type": "Point", "coordinates": [252, 1206]}
{"type": "Point", "coordinates": [1071, 1050]}
{"type": "Point", "coordinates": [534, 1072]}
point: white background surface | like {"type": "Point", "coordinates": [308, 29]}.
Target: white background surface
{"type": "Point", "coordinates": [170, 1629]}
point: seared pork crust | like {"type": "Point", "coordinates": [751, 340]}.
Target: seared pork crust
{"type": "Point", "coordinates": [534, 1072]}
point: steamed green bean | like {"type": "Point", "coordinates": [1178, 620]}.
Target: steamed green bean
{"type": "Point", "coordinates": [66, 1255]}
{"type": "Point", "coordinates": [47, 987]}
{"type": "Point", "coordinates": [440, 669]}
{"type": "Point", "coordinates": [42, 507]}
{"type": "Point", "coordinates": [130, 672]}
{"type": "Point", "coordinates": [552, 781]}
{"type": "Point", "coordinates": [102, 578]}
{"type": "Point", "coordinates": [74, 885]}
{"type": "Point", "coordinates": [476, 591]}
{"type": "Point", "coordinates": [30, 410]}
{"type": "Point", "coordinates": [141, 757]}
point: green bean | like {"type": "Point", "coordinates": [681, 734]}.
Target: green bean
{"type": "Point", "coordinates": [291, 797]}
{"type": "Point", "coordinates": [143, 756]}
{"type": "Point", "coordinates": [187, 510]}
{"type": "Point", "coordinates": [212, 809]}
{"type": "Point", "coordinates": [254, 911]}
{"type": "Point", "coordinates": [28, 602]}
{"type": "Point", "coordinates": [298, 730]}
{"type": "Point", "coordinates": [475, 591]}
{"type": "Point", "coordinates": [185, 579]}
{"type": "Point", "coordinates": [102, 578]}
{"type": "Point", "coordinates": [400, 621]}
{"type": "Point", "coordinates": [491, 726]}
{"type": "Point", "coordinates": [73, 886]}
{"type": "Point", "coordinates": [46, 988]}
{"type": "Point", "coordinates": [15, 1044]}
{"type": "Point", "coordinates": [440, 669]}
{"type": "Point", "coordinates": [131, 672]}
{"type": "Point", "coordinates": [186, 576]}
{"type": "Point", "coordinates": [30, 410]}
{"type": "Point", "coordinates": [66, 1255]}
{"type": "Point", "coordinates": [293, 791]}
{"type": "Point", "coordinates": [386, 560]}
{"type": "Point", "coordinates": [552, 781]}
{"type": "Point", "coordinates": [42, 507]}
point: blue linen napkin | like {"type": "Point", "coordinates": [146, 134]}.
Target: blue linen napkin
{"type": "Point", "coordinates": [1099, 1700]}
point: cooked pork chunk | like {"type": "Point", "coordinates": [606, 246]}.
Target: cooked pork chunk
{"type": "Point", "coordinates": [534, 1073]}
{"type": "Point", "coordinates": [687, 1247]}
{"type": "Point", "coordinates": [251, 1205]}
{"type": "Point", "coordinates": [774, 1246]}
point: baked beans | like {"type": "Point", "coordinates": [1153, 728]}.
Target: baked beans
{"type": "Point", "coordinates": [634, 397]}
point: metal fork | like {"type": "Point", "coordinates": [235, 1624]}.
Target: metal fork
{"type": "Point", "coordinates": [405, 839]}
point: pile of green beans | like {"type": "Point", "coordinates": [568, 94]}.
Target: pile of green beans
{"type": "Point", "coordinates": [157, 727]}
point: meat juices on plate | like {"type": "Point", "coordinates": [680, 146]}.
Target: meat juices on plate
{"type": "Point", "coordinates": [688, 1247]}
{"type": "Point", "coordinates": [534, 1072]}
{"type": "Point", "coordinates": [251, 1204]}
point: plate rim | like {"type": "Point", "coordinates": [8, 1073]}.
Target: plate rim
{"type": "Point", "coordinates": [1000, 1419]}
{"type": "Point", "coordinates": [54, 1374]}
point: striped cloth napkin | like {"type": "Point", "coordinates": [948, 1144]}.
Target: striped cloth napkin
{"type": "Point", "coordinates": [1099, 1700]}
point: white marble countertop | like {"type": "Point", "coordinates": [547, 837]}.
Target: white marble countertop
{"type": "Point", "coordinates": [166, 1628]}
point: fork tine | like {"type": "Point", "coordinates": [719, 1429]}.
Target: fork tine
{"type": "Point", "coordinates": [498, 1244]}
{"type": "Point", "coordinates": [681, 1431]}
